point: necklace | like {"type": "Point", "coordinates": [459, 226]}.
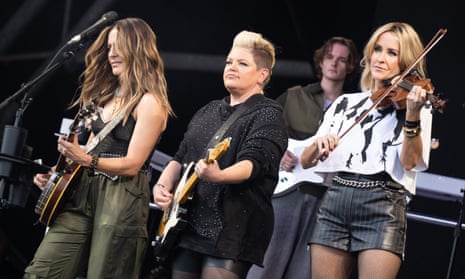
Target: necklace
{"type": "Point", "coordinates": [117, 93]}
{"type": "Point", "coordinates": [116, 101]}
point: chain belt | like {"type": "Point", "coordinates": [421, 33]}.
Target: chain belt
{"type": "Point", "coordinates": [366, 183]}
{"type": "Point", "coordinates": [359, 184]}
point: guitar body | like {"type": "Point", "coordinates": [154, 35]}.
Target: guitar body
{"type": "Point", "coordinates": [173, 220]}
{"type": "Point", "coordinates": [55, 193]}
{"type": "Point", "coordinates": [287, 180]}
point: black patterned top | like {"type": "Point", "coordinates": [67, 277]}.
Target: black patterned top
{"type": "Point", "coordinates": [235, 221]}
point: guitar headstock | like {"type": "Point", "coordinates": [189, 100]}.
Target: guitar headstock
{"type": "Point", "coordinates": [84, 118]}
{"type": "Point", "coordinates": [218, 150]}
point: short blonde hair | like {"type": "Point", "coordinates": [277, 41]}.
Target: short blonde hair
{"type": "Point", "coordinates": [262, 49]}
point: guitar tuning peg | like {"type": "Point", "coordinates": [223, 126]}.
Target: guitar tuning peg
{"type": "Point", "coordinates": [88, 123]}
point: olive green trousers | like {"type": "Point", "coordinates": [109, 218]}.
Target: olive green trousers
{"type": "Point", "coordinates": [101, 231]}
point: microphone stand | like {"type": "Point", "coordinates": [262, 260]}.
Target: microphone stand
{"type": "Point", "coordinates": [14, 136]}
{"type": "Point", "coordinates": [457, 231]}
{"type": "Point", "coordinates": [49, 68]}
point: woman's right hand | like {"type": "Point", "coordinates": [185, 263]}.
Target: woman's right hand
{"type": "Point", "coordinates": [40, 180]}
{"type": "Point", "coordinates": [326, 144]}
{"type": "Point", "coordinates": [288, 161]}
{"type": "Point", "coordinates": [318, 149]}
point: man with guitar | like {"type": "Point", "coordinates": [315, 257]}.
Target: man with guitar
{"type": "Point", "coordinates": [228, 217]}
{"type": "Point", "coordinates": [336, 63]}
{"type": "Point", "coordinates": [96, 202]}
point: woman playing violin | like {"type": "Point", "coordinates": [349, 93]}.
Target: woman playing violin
{"type": "Point", "coordinates": [362, 217]}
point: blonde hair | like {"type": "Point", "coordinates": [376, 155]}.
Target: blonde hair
{"type": "Point", "coordinates": [410, 48]}
{"type": "Point", "coordinates": [263, 50]}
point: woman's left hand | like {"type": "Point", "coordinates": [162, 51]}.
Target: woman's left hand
{"type": "Point", "coordinates": [416, 98]}
{"type": "Point", "coordinates": [208, 171]}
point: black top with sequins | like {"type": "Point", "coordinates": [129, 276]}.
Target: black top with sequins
{"type": "Point", "coordinates": [235, 221]}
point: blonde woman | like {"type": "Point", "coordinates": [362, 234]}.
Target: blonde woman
{"type": "Point", "coordinates": [230, 216]}
{"type": "Point", "coordinates": [362, 217]}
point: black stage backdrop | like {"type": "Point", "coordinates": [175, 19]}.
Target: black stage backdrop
{"type": "Point", "coordinates": [194, 38]}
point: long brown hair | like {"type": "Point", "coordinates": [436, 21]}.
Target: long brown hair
{"type": "Point", "coordinates": [137, 46]}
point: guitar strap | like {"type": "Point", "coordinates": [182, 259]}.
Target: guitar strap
{"type": "Point", "coordinates": [165, 242]}
{"type": "Point", "coordinates": [104, 132]}
{"type": "Point", "coordinates": [241, 109]}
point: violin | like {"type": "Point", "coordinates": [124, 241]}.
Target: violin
{"type": "Point", "coordinates": [397, 97]}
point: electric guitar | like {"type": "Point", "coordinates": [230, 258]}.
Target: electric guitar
{"type": "Point", "coordinates": [57, 188]}
{"type": "Point", "coordinates": [288, 179]}
{"type": "Point", "coordinates": [173, 219]}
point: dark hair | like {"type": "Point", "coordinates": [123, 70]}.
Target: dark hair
{"type": "Point", "coordinates": [353, 59]}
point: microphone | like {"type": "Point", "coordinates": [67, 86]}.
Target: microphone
{"type": "Point", "coordinates": [94, 29]}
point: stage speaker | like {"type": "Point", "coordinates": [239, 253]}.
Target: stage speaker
{"type": "Point", "coordinates": [431, 241]}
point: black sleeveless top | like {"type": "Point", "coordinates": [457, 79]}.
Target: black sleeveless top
{"type": "Point", "coordinates": [116, 143]}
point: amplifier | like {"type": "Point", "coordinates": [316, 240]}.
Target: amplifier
{"type": "Point", "coordinates": [439, 187]}
{"type": "Point", "coordinates": [438, 200]}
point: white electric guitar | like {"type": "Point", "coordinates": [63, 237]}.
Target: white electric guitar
{"type": "Point", "coordinates": [298, 174]}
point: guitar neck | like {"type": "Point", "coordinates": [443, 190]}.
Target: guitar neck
{"type": "Point", "coordinates": [187, 188]}
{"type": "Point", "coordinates": [212, 154]}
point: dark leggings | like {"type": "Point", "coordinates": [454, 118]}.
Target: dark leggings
{"type": "Point", "coordinates": [188, 264]}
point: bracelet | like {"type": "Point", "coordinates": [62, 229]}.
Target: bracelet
{"type": "Point", "coordinates": [161, 185]}
{"type": "Point", "coordinates": [412, 124]}
{"type": "Point", "coordinates": [411, 132]}
{"type": "Point", "coordinates": [93, 162]}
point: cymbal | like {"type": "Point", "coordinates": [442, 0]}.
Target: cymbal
{"type": "Point", "coordinates": [23, 161]}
